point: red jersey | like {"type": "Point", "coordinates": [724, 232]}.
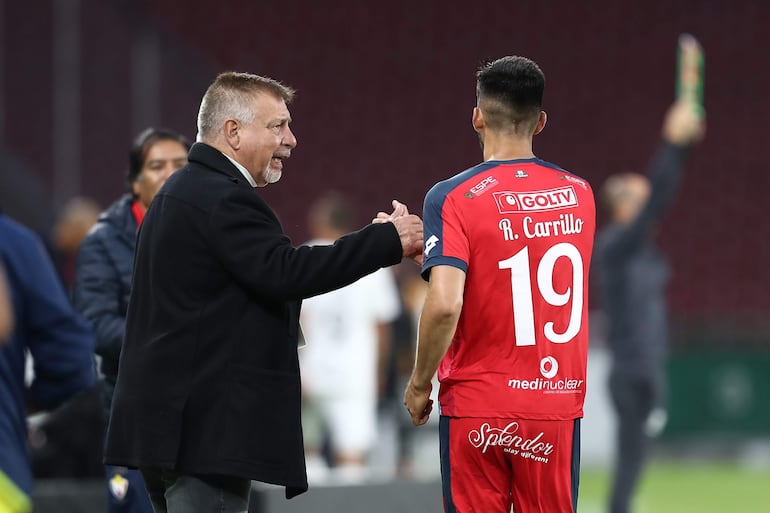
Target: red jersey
{"type": "Point", "coordinates": [522, 230]}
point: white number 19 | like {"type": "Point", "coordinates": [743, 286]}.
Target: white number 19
{"type": "Point", "coordinates": [521, 291]}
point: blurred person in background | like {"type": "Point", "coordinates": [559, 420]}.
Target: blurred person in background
{"type": "Point", "coordinates": [74, 220]}
{"type": "Point", "coordinates": [103, 274]}
{"type": "Point", "coordinates": [344, 364]}
{"type": "Point", "coordinates": [412, 290]}
{"type": "Point", "coordinates": [505, 318]}
{"type": "Point", "coordinates": [67, 442]}
{"type": "Point", "coordinates": [6, 308]}
{"type": "Point", "coordinates": [208, 392]}
{"type": "Point", "coordinates": [633, 275]}
{"type": "Point", "coordinates": [46, 327]}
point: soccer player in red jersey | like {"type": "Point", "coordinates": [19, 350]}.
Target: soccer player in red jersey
{"type": "Point", "coordinates": [507, 250]}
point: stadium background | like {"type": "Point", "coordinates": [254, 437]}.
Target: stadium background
{"type": "Point", "coordinates": [383, 111]}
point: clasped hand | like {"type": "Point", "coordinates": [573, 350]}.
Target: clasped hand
{"type": "Point", "coordinates": [409, 227]}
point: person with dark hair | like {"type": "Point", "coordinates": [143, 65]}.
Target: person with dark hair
{"type": "Point", "coordinates": [344, 362]}
{"type": "Point", "coordinates": [154, 155]}
{"type": "Point", "coordinates": [46, 327]}
{"type": "Point", "coordinates": [633, 276]}
{"type": "Point", "coordinates": [505, 320]}
{"type": "Point", "coordinates": [208, 390]}
{"type": "Point", "coordinates": [103, 275]}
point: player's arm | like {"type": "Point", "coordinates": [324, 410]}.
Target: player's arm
{"type": "Point", "coordinates": [440, 313]}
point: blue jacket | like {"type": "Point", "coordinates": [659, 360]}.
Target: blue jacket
{"type": "Point", "coordinates": [103, 282]}
{"type": "Point", "coordinates": [59, 340]}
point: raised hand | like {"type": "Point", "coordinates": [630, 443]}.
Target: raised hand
{"type": "Point", "coordinates": [684, 123]}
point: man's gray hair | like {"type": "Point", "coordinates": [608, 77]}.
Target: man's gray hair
{"type": "Point", "coordinates": [231, 96]}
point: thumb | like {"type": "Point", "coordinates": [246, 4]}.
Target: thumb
{"type": "Point", "coordinates": [399, 209]}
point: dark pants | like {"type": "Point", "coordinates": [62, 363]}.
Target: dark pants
{"type": "Point", "coordinates": [634, 396]}
{"type": "Point", "coordinates": [171, 492]}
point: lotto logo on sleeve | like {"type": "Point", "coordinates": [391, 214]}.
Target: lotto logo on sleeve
{"type": "Point", "coordinates": [510, 202]}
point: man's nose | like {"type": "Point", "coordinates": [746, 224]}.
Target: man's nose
{"type": "Point", "coordinates": [290, 139]}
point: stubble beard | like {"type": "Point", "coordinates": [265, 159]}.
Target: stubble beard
{"type": "Point", "coordinates": [272, 175]}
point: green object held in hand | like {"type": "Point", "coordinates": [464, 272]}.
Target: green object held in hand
{"type": "Point", "coordinates": [689, 73]}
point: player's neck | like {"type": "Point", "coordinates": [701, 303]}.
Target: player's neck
{"type": "Point", "coordinates": [507, 148]}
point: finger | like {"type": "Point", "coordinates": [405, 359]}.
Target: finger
{"type": "Point", "coordinates": [399, 209]}
{"type": "Point", "coordinates": [425, 415]}
{"type": "Point", "coordinates": [421, 420]}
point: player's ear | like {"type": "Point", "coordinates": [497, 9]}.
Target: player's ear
{"type": "Point", "coordinates": [541, 121]}
{"type": "Point", "coordinates": [478, 119]}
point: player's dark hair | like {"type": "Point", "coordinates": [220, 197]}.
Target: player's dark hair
{"type": "Point", "coordinates": [142, 144]}
{"type": "Point", "coordinates": [509, 92]}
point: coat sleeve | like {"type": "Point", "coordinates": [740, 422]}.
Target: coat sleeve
{"type": "Point", "coordinates": [248, 240]}
{"type": "Point", "coordinates": [60, 341]}
{"type": "Point", "coordinates": [96, 295]}
{"type": "Point", "coordinates": [664, 173]}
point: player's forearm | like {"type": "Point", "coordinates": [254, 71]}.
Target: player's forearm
{"type": "Point", "coordinates": [435, 334]}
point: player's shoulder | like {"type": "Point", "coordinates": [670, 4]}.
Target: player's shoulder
{"type": "Point", "coordinates": [446, 187]}
{"type": "Point", "coordinates": [564, 175]}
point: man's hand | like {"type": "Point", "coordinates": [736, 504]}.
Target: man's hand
{"type": "Point", "coordinates": [407, 226]}
{"type": "Point", "coordinates": [683, 124]}
{"type": "Point", "coordinates": [418, 402]}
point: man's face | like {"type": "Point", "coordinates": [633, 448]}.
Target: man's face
{"type": "Point", "coordinates": [267, 141]}
{"type": "Point", "coordinates": [163, 158]}
{"type": "Point", "coordinates": [635, 195]}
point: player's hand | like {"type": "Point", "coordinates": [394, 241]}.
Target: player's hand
{"type": "Point", "coordinates": [399, 210]}
{"type": "Point", "coordinates": [684, 124]}
{"type": "Point", "coordinates": [418, 402]}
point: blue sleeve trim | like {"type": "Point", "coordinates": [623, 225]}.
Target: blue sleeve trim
{"type": "Point", "coordinates": [443, 260]}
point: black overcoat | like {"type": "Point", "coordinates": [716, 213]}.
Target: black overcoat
{"type": "Point", "coordinates": [208, 380]}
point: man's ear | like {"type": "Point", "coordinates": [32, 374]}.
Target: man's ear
{"type": "Point", "coordinates": [477, 119]}
{"type": "Point", "coordinates": [231, 130]}
{"type": "Point", "coordinates": [541, 121]}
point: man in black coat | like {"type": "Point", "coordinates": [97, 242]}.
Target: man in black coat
{"type": "Point", "coordinates": [208, 390]}
{"type": "Point", "coordinates": [633, 275]}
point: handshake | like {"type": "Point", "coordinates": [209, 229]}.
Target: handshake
{"type": "Point", "coordinates": [409, 227]}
